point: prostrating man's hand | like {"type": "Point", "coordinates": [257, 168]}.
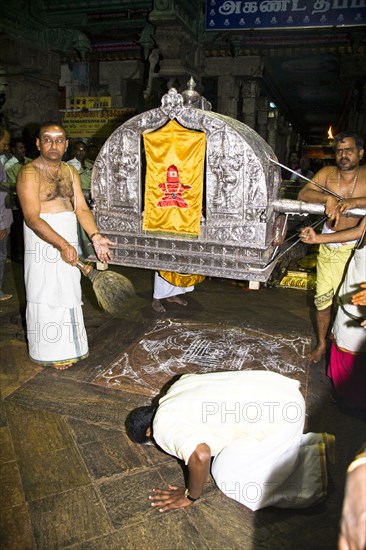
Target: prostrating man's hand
{"type": "Point", "coordinates": [169, 499]}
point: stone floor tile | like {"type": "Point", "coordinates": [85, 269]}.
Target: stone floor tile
{"type": "Point", "coordinates": [169, 531]}
{"type": "Point", "coordinates": [6, 446]}
{"type": "Point", "coordinates": [15, 529]}
{"type": "Point", "coordinates": [112, 456]}
{"type": "Point", "coordinates": [86, 432]}
{"type": "Point", "coordinates": [36, 432]}
{"type": "Point", "coordinates": [126, 498]}
{"type": "Point", "coordinates": [3, 419]}
{"type": "Point", "coordinates": [222, 522]}
{"type": "Point", "coordinates": [47, 455]}
{"type": "Point", "coordinates": [16, 367]}
{"type": "Point", "coordinates": [11, 489]}
{"type": "Point", "coordinates": [75, 399]}
{"type": "Point", "coordinates": [68, 518]}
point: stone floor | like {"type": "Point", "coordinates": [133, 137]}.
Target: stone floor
{"type": "Point", "coordinates": [69, 476]}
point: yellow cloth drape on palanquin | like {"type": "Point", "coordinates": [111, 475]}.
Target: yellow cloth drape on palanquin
{"type": "Point", "coordinates": [174, 179]}
{"type": "Point", "coordinates": [181, 279]}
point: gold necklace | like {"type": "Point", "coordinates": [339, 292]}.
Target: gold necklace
{"type": "Point", "coordinates": [353, 184]}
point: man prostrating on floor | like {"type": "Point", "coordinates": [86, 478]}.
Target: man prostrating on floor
{"type": "Point", "coordinates": [252, 423]}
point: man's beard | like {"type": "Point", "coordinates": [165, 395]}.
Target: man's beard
{"type": "Point", "coordinates": [346, 165]}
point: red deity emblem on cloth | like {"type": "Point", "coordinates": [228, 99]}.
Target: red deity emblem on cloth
{"type": "Point", "coordinates": [173, 189]}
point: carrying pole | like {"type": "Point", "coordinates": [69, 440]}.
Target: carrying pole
{"type": "Point", "coordinates": [305, 178]}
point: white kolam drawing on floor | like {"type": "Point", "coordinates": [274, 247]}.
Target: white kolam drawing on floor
{"type": "Point", "coordinates": [174, 347]}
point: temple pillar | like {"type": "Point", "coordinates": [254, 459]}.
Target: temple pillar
{"type": "Point", "coordinates": [262, 116]}
{"type": "Point", "coordinates": [249, 93]}
{"type": "Point", "coordinates": [117, 77]}
{"type": "Point", "coordinates": [272, 128]}
{"type": "Point", "coordinates": [230, 73]}
{"type": "Point", "coordinates": [284, 131]}
{"type": "Point", "coordinates": [31, 59]}
{"type": "Point", "coordinates": [32, 77]}
{"type": "Point", "coordinates": [228, 95]}
{"type": "Point", "coordinates": [176, 38]}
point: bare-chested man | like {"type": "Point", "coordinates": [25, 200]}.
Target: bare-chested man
{"type": "Point", "coordinates": [348, 180]}
{"type": "Point", "coordinates": [52, 201]}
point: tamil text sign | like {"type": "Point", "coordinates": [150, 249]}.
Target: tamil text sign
{"type": "Point", "coordinates": [94, 124]}
{"type": "Point", "coordinates": [91, 102]}
{"type": "Point", "coordinates": [264, 14]}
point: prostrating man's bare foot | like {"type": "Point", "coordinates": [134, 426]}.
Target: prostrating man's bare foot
{"type": "Point", "coordinates": [177, 300]}
{"type": "Point", "coordinates": [157, 306]}
{"type": "Point", "coordinates": [317, 353]}
{"type": "Point", "coordinates": [62, 365]}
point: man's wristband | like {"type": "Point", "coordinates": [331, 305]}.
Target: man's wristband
{"type": "Point", "coordinates": [187, 495]}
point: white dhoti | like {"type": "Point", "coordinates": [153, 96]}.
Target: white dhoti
{"type": "Point", "coordinates": [163, 289]}
{"type": "Point", "coordinates": [285, 468]}
{"type": "Point", "coordinates": [259, 477]}
{"type": "Point", "coordinates": [348, 333]}
{"type": "Point", "coordinates": [55, 324]}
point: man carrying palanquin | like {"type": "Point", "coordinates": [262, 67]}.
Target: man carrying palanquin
{"type": "Point", "coordinates": [347, 185]}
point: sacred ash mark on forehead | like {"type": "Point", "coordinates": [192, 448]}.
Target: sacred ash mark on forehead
{"type": "Point", "coordinates": [53, 133]}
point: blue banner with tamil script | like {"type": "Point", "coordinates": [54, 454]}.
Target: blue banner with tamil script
{"type": "Point", "coordinates": [269, 14]}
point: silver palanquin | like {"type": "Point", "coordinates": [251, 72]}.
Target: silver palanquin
{"type": "Point", "coordinates": [242, 187]}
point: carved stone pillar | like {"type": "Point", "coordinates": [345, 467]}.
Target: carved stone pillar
{"type": "Point", "coordinates": [180, 53]}
{"type": "Point", "coordinates": [283, 139]}
{"type": "Point", "coordinates": [249, 92]}
{"type": "Point", "coordinates": [30, 55]}
{"type": "Point", "coordinates": [116, 75]}
{"type": "Point", "coordinates": [230, 73]}
{"type": "Point", "coordinates": [177, 27]}
{"type": "Point", "coordinates": [272, 128]}
{"type": "Point", "coordinates": [32, 77]}
{"type": "Point", "coordinates": [262, 116]}
{"type": "Point", "coordinates": [228, 94]}
{"type": "Point", "coordinates": [357, 111]}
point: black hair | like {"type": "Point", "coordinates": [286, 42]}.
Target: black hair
{"type": "Point", "coordinates": [343, 135]}
{"type": "Point", "coordinates": [79, 142]}
{"type": "Point", "coordinates": [138, 421]}
{"type": "Point", "coordinates": [15, 141]}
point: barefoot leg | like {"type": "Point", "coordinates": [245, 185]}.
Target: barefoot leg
{"type": "Point", "coordinates": [177, 300]}
{"type": "Point", "coordinates": [62, 366]}
{"type": "Point", "coordinates": [317, 353]}
{"type": "Point", "coordinates": [157, 305]}
{"type": "Point", "coordinates": [322, 321]}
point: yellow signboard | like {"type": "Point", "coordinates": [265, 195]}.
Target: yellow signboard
{"type": "Point", "coordinates": [95, 124]}
{"type": "Point", "coordinates": [89, 102]}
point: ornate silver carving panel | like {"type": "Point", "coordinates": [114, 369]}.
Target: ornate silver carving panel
{"type": "Point", "coordinates": [240, 186]}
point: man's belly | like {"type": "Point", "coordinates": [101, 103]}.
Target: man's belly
{"type": "Point", "coordinates": [58, 205]}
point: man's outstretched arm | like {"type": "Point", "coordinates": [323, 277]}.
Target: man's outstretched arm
{"type": "Point", "coordinates": [309, 236]}
{"type": "Point", "coordinates": [176, 497]}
